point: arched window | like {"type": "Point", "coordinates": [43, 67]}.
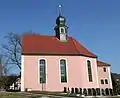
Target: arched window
{"type": "Point", "coordinates": [89, 71]}
{"type": "Point", "coordinates": [63, 70]}
{"type": "Point", "coordinates": [102, 81]}
{"type": "Point", "coordinates": [42, 64]}
{"type": "Point", "coordinates": [62, 30]}
{"type": "Point", "coordinates": [104, 69]}
{"type": "Point", "coordinates": [106, 81]}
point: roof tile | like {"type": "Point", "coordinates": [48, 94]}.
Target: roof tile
{"type": "Point", "coordinates": [44, 44]}
{"type": "Point", "coordinates": [101, 63]}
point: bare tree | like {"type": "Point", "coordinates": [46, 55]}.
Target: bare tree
{"type": "Point", "coordinates": [2, 74]}
{"type": "Point", "coordinates": [6, 79]}
{"type": "Point", "coordinates": [10, 57]}
{"type": "Point", "coordinates": [12, 50]}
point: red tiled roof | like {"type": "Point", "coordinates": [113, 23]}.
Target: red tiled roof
{"type": "Point", "coordinates": [43, 44]}
{"type": "Point", "coordinates": [100, 63]}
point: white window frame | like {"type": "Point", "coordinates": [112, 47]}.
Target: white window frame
{"type": "Point", "coordinates": [90, 69]}
{"type": "Point", "coordinates": [39, 70]}
{"type": "Point", "coordinates": [66, 70]}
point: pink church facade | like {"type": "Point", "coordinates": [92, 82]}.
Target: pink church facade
{"type": "Point", "coordinates": [77, 75]}
{"type": "Point", "coordinates": [50, 63]}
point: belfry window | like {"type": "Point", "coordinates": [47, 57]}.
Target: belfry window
{"type": "Point", "coordinates": [62, 30]}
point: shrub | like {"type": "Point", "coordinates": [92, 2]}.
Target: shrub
{"type": "Point", "coordinates": [89, 92]}
{"type": "Point", "coordinates": [114, 92]}
{"type": "Point", "coordinates": [97, 91]}
{"type": "Point", "coordinates": [94, 91]}
{"type": "Point", "coordinates": [68, 90]}
{"type": "Point", "coordinates": [80, 91]}
{"type": "Point", "coordinates": [111, 92]}
{"type": "Point", "coordinates": [107, 91]}
{"type": "Point", "coordinates": [85, 91]}
{"type": "Point", "coordinates": [65, 90]}
{"type": "Point", "coordinates": [72, 90]}
{"type": "Point", "coordinates": [76, 90]}
{"type": "Point", "coordinates": [103, 93]}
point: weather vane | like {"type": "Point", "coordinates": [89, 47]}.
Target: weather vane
{"type": "Point", "coordinates": [60, 10]}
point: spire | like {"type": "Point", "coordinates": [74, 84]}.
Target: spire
{"type": "Point", "coordinates": [61, 27]}
{"type": "Point", "coordinates": [60, 10]}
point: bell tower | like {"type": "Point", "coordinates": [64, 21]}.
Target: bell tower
{"type": "Point", "coordinates": [61, 27]}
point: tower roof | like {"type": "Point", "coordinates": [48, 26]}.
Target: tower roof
{"type": "Point", "coordinates": [60, 19]}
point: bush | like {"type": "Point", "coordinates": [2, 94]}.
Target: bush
{"type": "Point", "coordinates": [111, 92]}
{"type": "Point", "coordinates": [72, 90]}
{"type": "Point", "coordinates": [80, 91]}
{"type": "Point", "coordinates": [97, 91]}
{"type": "Point", "coordinates": [89, 92]}
{"type": "Point", "coordinates": [68, 90]}
{"type": "Point", "coordinates": [76, 90]}
{"type": "Point", "coordinates": [65, 90]}
{"type": "Point", "coordinates": [114, 92]}
{"type": "Point", "coordinates": [103, 93]}
{"type": "Point", "coordinates": [85, 91]}
{"type": "Point", "coordinates": [107, 91]}
{"type": "Point", "coordinates": [94, 91]}
{"type": "Point", "coordinates": [26, 89]}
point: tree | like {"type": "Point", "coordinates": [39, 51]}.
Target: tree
{"type": "Point", "coordinates": [10, 57]}
{"type": "Point", "coordinates": [5, 79]}
{"type": "Point", "coordinates": [12, 50]}
{"type": "Point", "coordinates": [2, 74]}
{"type": "Point", "coordinates": [114, 84]}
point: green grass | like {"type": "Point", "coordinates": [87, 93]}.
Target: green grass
{"type": "Point", "coordinates": [30, 95]}
{"type": "Point", "coordinates": [16, 95]}
{"type": "Point", "coordinates": [11, 95]}
{"type": "Point", "coordinates": [35, 95]}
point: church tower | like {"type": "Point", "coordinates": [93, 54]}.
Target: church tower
{"type": "Point", "coordinates": [61, 28]}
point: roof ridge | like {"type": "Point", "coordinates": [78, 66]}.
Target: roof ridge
{"type": "Point", "coordinates": [36, 34]}
{"type": "Point", "coordinates": [75, 44]}
{"type": "Point", "coordinates": [31, 44]}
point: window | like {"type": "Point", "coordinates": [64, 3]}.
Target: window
{"type": "Point", "coordinates": [106, 81]}
{"type": "Point", "coordinates": [62, 30]}
{"type": "Point", "coordinates": [89, 71]}
{"type": "Point", "coordinates": [63, 70]}
{"type": "Point", "coordinates": [42, 71]}
{"type": "Point", "coordinates": [104, 69]}
{"type": "Point", "coordinates": [102, 81]}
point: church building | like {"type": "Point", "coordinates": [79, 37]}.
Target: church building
{"type": "Point", "coordinates": [53, 63]}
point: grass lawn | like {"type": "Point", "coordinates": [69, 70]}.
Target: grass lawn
{"type": "Point", "coordinates": [28, 95]}
{"type": "Point", "coordinates": [17, 95]}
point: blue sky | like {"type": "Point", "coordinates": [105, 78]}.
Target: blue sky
{"type": "Point", "coordinates": [94, 23]}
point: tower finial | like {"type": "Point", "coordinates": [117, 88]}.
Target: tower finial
{"type": "Point", "coordinates": [60, 10]}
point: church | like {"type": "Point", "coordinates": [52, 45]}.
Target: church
{"type": "Point", "coordinates": [60, 62]}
